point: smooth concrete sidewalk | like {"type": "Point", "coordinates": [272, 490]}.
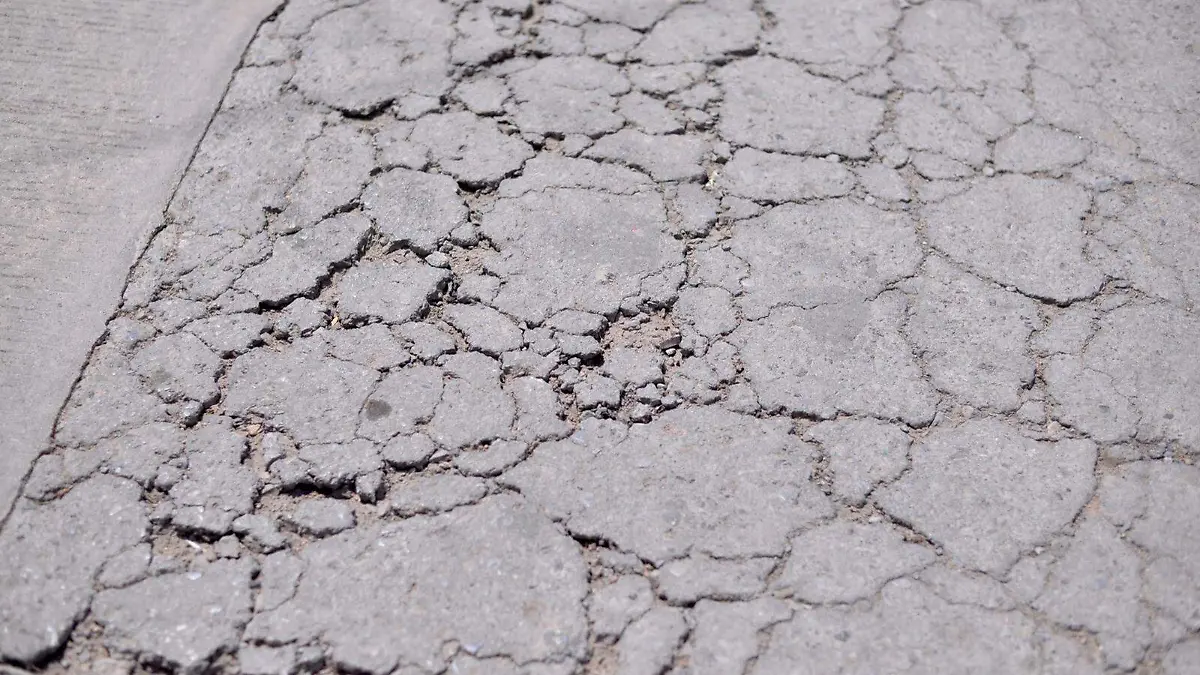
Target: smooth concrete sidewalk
{"type": "Point", "coordinates": [102, 103]}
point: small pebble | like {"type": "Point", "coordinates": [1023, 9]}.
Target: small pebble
{"type": "Point", "coordinates": [228, 547]}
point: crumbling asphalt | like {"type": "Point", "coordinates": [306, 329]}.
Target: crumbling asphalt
{"type": "Point", "coordinates": [648, 336]}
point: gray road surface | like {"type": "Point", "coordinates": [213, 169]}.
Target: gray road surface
{"type": "Point", "coordinates": [636, 337]}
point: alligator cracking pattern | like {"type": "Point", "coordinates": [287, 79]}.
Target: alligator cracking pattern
{"type": "Point", "coordinates": [648, 336]}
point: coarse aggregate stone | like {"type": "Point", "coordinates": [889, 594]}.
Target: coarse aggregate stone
{"type": "Point", "coordinates": [579, 337]}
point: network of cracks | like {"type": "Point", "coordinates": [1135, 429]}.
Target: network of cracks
{"type": "Point", "coordinates": [644, 336]}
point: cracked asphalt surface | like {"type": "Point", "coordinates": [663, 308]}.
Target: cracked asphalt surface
{"type": "Point", "coordinates": [647, 336]}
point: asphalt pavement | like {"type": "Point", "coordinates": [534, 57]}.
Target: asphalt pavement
{"type": "Point", "coordinates": [634, 337]}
